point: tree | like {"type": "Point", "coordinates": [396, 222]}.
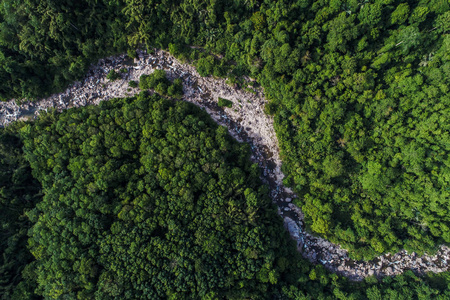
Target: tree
{"type": "Point", "coordinates": [150, 220]}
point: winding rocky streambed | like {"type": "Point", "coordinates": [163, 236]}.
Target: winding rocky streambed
{"type": "Point", "coordinates": [246, 122]}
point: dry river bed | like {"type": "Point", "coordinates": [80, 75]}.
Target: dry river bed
{"type": "Point", "coordinates": [246, 122]}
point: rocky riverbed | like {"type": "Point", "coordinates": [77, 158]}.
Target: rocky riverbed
{"type": "Point", "coordinates": [246, 122]}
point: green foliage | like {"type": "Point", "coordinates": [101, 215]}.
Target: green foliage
{"type": "Point", "coordinates": [158, 77]}
{"type": "Point", "coordinates": [406, 286]}
{"type": "Point", "coordinates": [175, 89]}
{"type": "Point", "coordinates": [133, 84]}
{"type": "Point", "coordinates": [159, 82]}
{"type": "Point", "coordinates": [113, 75]}
{"type": "Point", "coordinates": [363, 135]}
{"type": "Point", "coordinates": [46, 45]}
{"type": "Point", "coordinates": [19, 192]}
{"type": "Point", "coordinates": [400, 14]}
{"type": "Point", "coordinates": [149, 198]}
{"type": "Point", "coordinates": [358, 89]}
{"type": "Point", "coordinates": [224, 103]}
{"type": "Point", "coordinates": [180, 51]}
{"type": "Point", "coordinates": [116, 223]}
{"type": "Point", "coordinates": [132, 53]}
{"type": "Point", "coordinates": [205, 66]}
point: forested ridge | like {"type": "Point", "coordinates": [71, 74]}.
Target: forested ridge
{"type": "Point", "coordinates": [359, 94]}
{"type": "Point", "coordinates": [358, 89]}
{"type": "Point", "coordinates": [147, 198]}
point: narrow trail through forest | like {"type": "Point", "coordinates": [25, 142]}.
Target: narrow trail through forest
{"type": "Point", "coordinates": [246, 122]}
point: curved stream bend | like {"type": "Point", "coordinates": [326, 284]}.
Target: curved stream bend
{"type": "Point", "coordinates": [246, 122]}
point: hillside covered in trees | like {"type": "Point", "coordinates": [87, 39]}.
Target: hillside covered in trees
{"type": "Point", "coordinates": [147, 198]}
{"type": "Point", "coordinates": [358, 89]}
{"type": "Point", "coordinates": [359, 94]}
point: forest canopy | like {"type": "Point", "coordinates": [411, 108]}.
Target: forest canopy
{"type": "Point", "coordinates": [358, 90]}
{"type": "Point", "coordinates": [19, 194]}
{"type": "Point", "coordinates": [138, 203]}
{"type": "Point", "coordinates": [148, 198]}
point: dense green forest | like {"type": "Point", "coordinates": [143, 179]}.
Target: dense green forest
{"type": "Point", "coordinates": [359, 94]}
{"type": "Point", "coordinates": [358, 89]}
{"type": "Point", "coordinates": [148, 198]}
{"type": "Point", "coordinates": [364, 127]}
{"type": "Point", "coordinates": [19, 194]}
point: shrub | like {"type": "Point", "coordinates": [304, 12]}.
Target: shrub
{"type": "Point", "coordinates": [175, 89]}
{"type": "Point", "coordinates": [159, 82]}
{"type": "Point", "coordinates": [112, 75]}
{"type": "Point", "coordinates": [132, 53]}
{"type": "Point", "coordinates": [224, 102]}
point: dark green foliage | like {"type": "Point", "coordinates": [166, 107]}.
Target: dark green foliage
{"type": "Point", "coordinates": [359, 95]}
{"type": "Point", "coordinates": [363, 127]}
{"type": "Point", "coordinates": [113, 75]}
{"type": "Point", "coordinates": [175, 89]}
{"type": "Point", "coordinates": [131, 53]}
{"type": "Point", "coordinates": [133, 84]}
{"type": "Point", "coordinates": [205, 65]}
{"type": "Point", "coordinates": [159, 82]}
{"type": "Point", "coordinates": [358, 89]}
{"type": "Point", "coordinates": [224, 103]}
{"type": "Point", "coordinates": [44, 45]}
{"type": "Point", "coordinates": [152, 81]}
{"type": "Point", "coordinates": [146, 198]}
{"type": "Point", "coordinates": [19, 192]}
{"type": "Point", "coordinates": [149, 199]}
{"type": "Point", "coordinates": [113, 222]}
{"type": "Point", "coordinates": [402, 287]}
{"type": "Point", "coordinates": [180, 51]}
